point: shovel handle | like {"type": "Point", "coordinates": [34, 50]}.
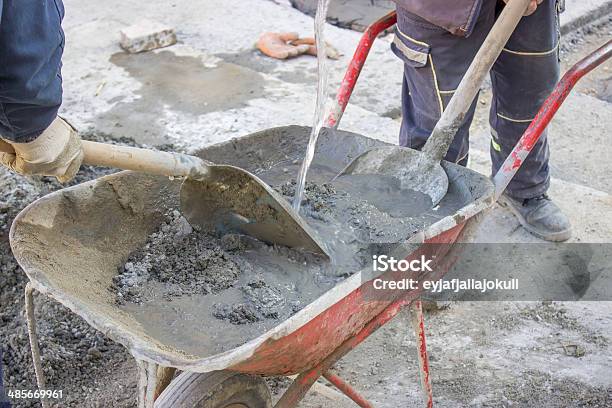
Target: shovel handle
{"type": "Point", "coordinates": [452, 118]}
{"type": "Point", "coordinates": [137, 159]}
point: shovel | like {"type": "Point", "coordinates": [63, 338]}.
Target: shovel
{"type": "Point", "coordinates": [421, 170]}
{"type": "Point", "coordinates": [222, 197]}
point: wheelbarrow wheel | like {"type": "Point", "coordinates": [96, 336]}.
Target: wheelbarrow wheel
{"type": "Point", "coordinates": [218, 389]}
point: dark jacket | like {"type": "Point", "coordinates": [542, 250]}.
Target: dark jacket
{"type": "Point", "coordinates": [456, 16]}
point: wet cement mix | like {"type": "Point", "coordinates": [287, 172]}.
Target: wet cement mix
{"type": "Point", "coordinates": [189, 262]}
{"type": "Point", "coordinates": [239, 287]}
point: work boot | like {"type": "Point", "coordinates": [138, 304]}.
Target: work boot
{"type": "Point", "coordinates": [540, 216]}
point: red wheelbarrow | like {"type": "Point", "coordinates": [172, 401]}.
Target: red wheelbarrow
{"type": "Point", "coordinates": [73, 256]}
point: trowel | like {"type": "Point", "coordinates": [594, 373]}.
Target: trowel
{"type": "Point", "coordinates": [421, 170]}
{"type": "Point", "coordinates": [213, 196]}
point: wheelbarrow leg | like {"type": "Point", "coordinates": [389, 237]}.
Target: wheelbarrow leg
{"type": "Point", "coordinates": [305, 380]}
{"type": "Point", "coordinates": [147, 383]}
{"type": "Point", "coordinates": [346, 389]}
{"type": "Point", "coordinates": [152, 381]}
{"type": "Point", "coordinates": [418, 324]}
{"type": "Point", "coordinates": [34, 347]}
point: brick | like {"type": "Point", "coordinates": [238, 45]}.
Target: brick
{"type": "Point", "coordinates": [146, 35]}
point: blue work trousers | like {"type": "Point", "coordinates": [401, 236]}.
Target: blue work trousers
{"type": "Point", "coordinates": [523, 76]}
{"type": "Point", "coordinates": [31, 47]}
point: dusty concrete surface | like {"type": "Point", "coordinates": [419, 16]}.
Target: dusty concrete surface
{"type": "Point", "coordinates": [581, 12]}
{"type": "Point", "coordinates": [493, 354]}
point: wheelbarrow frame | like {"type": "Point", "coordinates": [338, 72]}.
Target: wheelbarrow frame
{"type": "Point", "coordinates": [500, 180]}
{"type": "Point", "coordinates": [445, 232]}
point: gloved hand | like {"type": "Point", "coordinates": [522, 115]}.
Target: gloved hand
{"type": "Point", "coordinates": [56, 152]}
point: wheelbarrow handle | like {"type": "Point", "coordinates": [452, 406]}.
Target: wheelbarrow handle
{"type": "Point", "coordinates": [137, 159]}
{"type": "Point", "coordinates": [354, 69]}
{"type": "Point", "coordinates": [550, 106]}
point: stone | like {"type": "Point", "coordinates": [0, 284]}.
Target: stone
{"type": "Point", "coordinates": [146, 35]}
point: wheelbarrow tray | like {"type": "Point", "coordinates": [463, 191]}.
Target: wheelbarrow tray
{"type": "Point", "coordinates": [71, 253]}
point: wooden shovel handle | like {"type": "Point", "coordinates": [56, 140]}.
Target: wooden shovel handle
{"type": "Point", "coordinates": [452, 118]}
{"type": "Point", "coordinates": [137, 159]}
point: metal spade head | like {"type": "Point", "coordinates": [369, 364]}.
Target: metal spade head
{"type": "Point", "coordinates": [421, 171]}
{"type": "Point", "coordinates": [231, 199]}
{"type": "Point", "coordinates": [415, 170]}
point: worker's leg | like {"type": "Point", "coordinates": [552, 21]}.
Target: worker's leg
{"type": "Point", "coordinates": [31, 46]}
{"type": "Point", "coordinates": [434, 63]}
{"type": "Point", "coordinates": [523, 76]}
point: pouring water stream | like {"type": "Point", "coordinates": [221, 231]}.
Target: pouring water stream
{"type": "Point", "coordinates": [320, 108]}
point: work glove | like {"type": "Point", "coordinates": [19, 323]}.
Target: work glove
{"type": "Point", "coordinates": [287, 45]}
{"type": "Point", "coordinates": [330, 50]}
{"type": "Point", "coordinates": [279, 46]}
{"type": "Point", "coordinates": [56, 152]}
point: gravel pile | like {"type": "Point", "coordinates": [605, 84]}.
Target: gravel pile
{"type": "Point", "coordinates": [76, 358]}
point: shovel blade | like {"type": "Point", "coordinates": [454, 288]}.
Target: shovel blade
{"type": "Point", "coordinates": [231, 199]}
{"type": "Point", "coordinates": [414, 169]}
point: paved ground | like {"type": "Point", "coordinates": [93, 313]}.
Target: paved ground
{"type": "Point", "coordinates": [213, 86]}
{"type": "Point", "coordinates": [362, 13]}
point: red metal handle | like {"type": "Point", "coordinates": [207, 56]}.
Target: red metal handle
{"type": "Point", "coordinates": [551, 105]}
{"type": "Point", "coordinates": [354, 68]}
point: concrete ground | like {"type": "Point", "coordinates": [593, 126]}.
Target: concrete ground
{"type": "Point", "coordinates": [362, 13]}
{"type": "Point", "coordinates": [213, 86]}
